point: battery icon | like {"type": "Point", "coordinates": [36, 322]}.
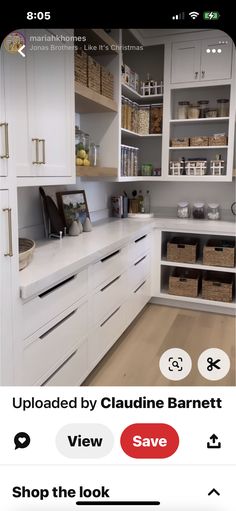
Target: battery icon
{"type": "Point", "coordinates": [211, 15]}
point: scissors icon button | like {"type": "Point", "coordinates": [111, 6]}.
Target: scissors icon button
{"type": "Point", "coordinates": [213, 363]}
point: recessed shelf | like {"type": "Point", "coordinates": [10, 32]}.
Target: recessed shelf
{"type": "Point", "coordinates": [198, 265]}
{"type": "Point", "coordinates": [135, 96]}
{"type": "Point", "coordinates": [139, 178]}
{"type": "Point", "coordinates": [129, 133]}
{"type": "Point", "coordinates": [199, 299]}
{"type": "Point", "coordinates": [84, 171]}
{"type": "Point", "coordinates": [191, 147]}
{"type": "Point", "coordinates": [199, 120]}
{"type": "Point", "coordinates": [89, 101]}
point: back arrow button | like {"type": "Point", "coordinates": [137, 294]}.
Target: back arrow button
{"type": "Point", "coordinates": [20, 50]}
{"type": "Point", "coordinates": [213, 491]}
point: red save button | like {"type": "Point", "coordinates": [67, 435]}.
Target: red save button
{"type": "Point", "coordinates": [149, 440]}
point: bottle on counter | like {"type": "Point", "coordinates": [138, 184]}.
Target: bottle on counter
{"type": "Point", "coordinates": [147, 202]}
{"type": "Point", "coordinates": [140, 202]}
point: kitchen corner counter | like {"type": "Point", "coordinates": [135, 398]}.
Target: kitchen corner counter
{"type": "Point", "coordinates": [55, 260]}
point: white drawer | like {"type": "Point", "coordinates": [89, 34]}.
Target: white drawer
{"type": "Point", "coordinates": [50, 346]}
{"type": "Point", "coordinates": [47, 305]}
{"type": "Point", "coordinates": [109, 295]}
{"type": "Point", "coordinates": [139, 271]}
{"type": "Point", "coordinates": [111, 264]}
{"type": "Point", "coordinates": [140, 296]}
{"type": "Point", "coordinates": [73, 371]}
{"type": "Point", "coordinates": [105, 335]}
{"type": "Point", "coordinates": [139, 246]}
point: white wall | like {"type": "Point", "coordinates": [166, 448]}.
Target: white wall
{"type": "Point", "coordinates": [30, 212]}
{"type": "Point", "coordinates": [98, 198]}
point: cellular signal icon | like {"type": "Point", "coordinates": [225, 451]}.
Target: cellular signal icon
{"type": "Point", "coordinates": [179, 16]}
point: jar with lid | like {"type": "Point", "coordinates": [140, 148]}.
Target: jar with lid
{"type": "Point", "coordinates": [193, 112]}
{"type": "Point", "coordinates": [183, 209]}
{"type": "Point", "coordinates": [144, 120]}
{"type": "Point", "coordinates": [156, 114]}
{"type": "Point", "coordinates": [203, 105]}
{"type": "Point", "coordinates": [123, 112]}
{"type": "Point", "coordinates": [223, 107]}
{"type": "Point", "coordinates": [94, 155]}
{"type": "Point", "coordinates": [199, 210]}
{"type": "Point", "coordinates": [213, 211]}
{"type": "Point", "coordinates": [128, 114]}
{"type": "Point", "coordinates": [135, 173]}
{"type": "Point", "coordinates": [182, 112]}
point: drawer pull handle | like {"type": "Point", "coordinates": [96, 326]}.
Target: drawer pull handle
{"type": "Point", "coordinates": [45, 293]}
{"type": "Point", "coordinates": [109, 256]}
{"type": "Point", "coordinates": [140, 260]}
{"type": "Point", "coordinates": [110, 283]}
{"type": "Point", "coordinates": [219, 249]}
{"type": "Point", "coordinates": [140, 239]}
{"type": "Point", "coordinates": [217, 284]}
{"type": "Point", "coordinates": [139, 287]}
{"type": "Point", "coordinates": [109, 317]}
{"type": "Point", "coordinates": [59, 368]}
{"type": "Point", "coordinates": [182, 279]}
{"type": "Point", "coordinates": [180, 246]}
{"type": "Point", "coordinates": [57, 324]}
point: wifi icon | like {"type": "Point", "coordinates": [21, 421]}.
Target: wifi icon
{"type": "Point", "coordinates": [193, 15]}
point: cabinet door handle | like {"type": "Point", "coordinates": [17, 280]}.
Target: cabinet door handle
{"type": "Point", "coordinates": [196, 75]}
{"type": "Point", "coordinates": [6, 155]}
{"type": "Point", "coordinates": [109, 256]}
{"type": "Point", "coordinates": [10, 250]}
{"type": "Point", "coordinates": [140, 260]}
{"type": "Point", "coordinates": [36, 140]}
{"type": "Point", "coordinates": [42, 140]}
{"type": "Point", "coordinates": [57, 325]}
{"type": "Point", "coordinates": [203, 74]}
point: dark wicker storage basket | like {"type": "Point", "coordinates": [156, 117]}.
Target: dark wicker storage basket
{"type": "Point", "coordinates": [219, 253]}
{"type": "Point", "coordinates": [81, 67]}
{"type": "Point", "coordinates": [217, 287]}
{"type": "Point", "coordinates": [182, 250]}
{"type": "Point", "coordinates": [184, 282]}
{"type": "Point", "coordinates": [107, 83]}
{"type": "Point", "coordinates": [94, 75]}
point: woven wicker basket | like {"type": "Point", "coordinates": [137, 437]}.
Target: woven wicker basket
{"type": "Point", "coordinates": [26, 249]}
{"type": "Point", "coordinates": [184, 282]}
{"type": "Point", "coordinates": [81, 67]}
{"type": "Point", "coordinates": [94, 73]}
{"type": "Point", "coordinates": [182, 250]}
{"type": "Point", "coordinates": [199, 141]}
{"type": "Point", "coordinates": [219, 253]}
{"type": "Point", "coordinates": [217, 287]}
{"type": "Point", "coordinates": [107, 83]}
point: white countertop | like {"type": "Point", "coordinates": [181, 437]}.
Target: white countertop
{"type": "Point", "coordinates": [54, 260]}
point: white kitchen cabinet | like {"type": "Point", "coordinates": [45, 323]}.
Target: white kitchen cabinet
{"type": "Point", "coordinates": [6, 251]}
{"type": "Point", "coordinates": [40, 111]}
{"type": "Point", "coordinates": [4, 143]}
{"type": "Point", "coordinates": [194, 61]}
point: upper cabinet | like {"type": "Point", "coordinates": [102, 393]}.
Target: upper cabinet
{"type": "Point", "coordinates": [39, 105]}
{"type": "Point", "coordinates": [4, 143]}
{"type": "Point", "coordinates": [194, 61]}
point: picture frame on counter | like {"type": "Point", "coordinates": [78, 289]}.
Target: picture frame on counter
{"type": "Point", "coordinates": [73, 206]}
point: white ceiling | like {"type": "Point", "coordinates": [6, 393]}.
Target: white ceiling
{"type": "Point", "coordinates": [150, 36]}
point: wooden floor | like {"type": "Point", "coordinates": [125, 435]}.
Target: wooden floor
{"type": "Point", "coordinates": [134, 359]}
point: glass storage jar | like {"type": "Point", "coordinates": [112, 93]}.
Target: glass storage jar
{"type": "Point", "coordinates": [213, 211]}
{"type": "Point", "coordinates": [183, 209]}
{"type": "Point", "coordinates": [128, 115]}
{"type": "Point", "coordinates": [199, 210]}
{"type": "Point", "coordinates": [156, 114]}
{"type": "Point", "coordinates": [193, 112]}
{"type": "Point", "coordinates": [143, 123]}
{"type": "Point", "coordinates": [203, 105]}
{"type": "Point", "coordinates": [223, 107]}
{"type": "Point", "coordinates": [182, 111]}
{"type": "Point", "coordinates": [94, 155]}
